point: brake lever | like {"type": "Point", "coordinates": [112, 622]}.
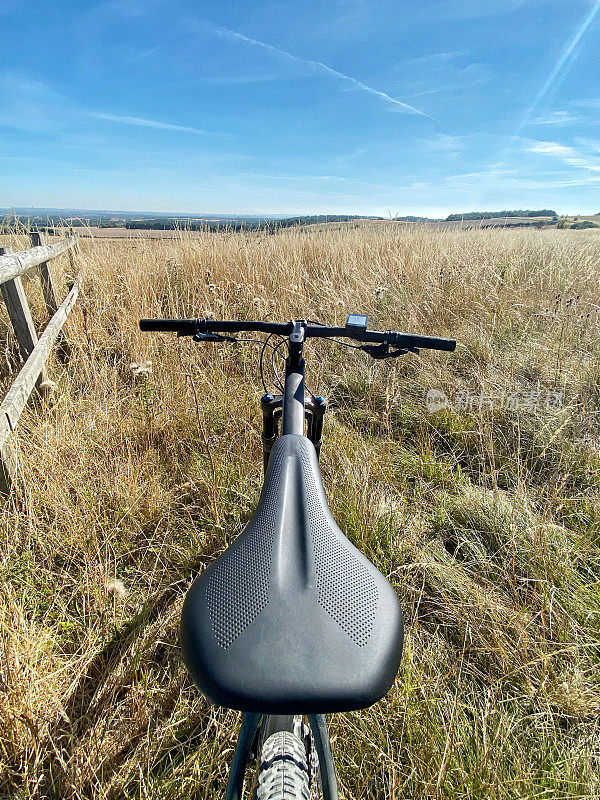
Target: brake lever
{"type": "Point", "coordinates": [380, 351]}
{"type": "Point", "coordinates": [212, 337]}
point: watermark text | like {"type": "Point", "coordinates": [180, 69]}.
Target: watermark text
{"type": "Point", "coordinates": [469, 400]}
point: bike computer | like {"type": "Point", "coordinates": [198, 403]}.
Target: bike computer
{"type": "Point", "coordinates": [357, 322]}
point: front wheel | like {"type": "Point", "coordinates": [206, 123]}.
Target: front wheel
{"type": "Point", "coordinates": [283, 771]}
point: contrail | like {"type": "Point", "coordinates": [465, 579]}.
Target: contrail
{"type": "Point", "coordinates": [566, 54]}
{"type": "Point", "coordinates": [229, 34]}
{"type": "Point", "coordinates": [142, 122]}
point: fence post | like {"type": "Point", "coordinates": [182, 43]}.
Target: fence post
{"type": "Point", "coordinates": [49, 290]}
{"type": "Point", "coordinates": [20, 316]}
{"type": "Point", "coordinates": [37, 240]}
{"type": "Point", "coordinates": [8, 467]}
{"type": "Point", "coordinates": [8, 457]}
{"type": "Point", "coordinates": [33, 351]}
{"type": "Point", "coordinates": [13, 404]}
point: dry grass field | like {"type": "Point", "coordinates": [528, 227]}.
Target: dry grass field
{"type": "Point", "coordinates": [485, 515]}
{"type": "Point", "coordinates": [94, 232]}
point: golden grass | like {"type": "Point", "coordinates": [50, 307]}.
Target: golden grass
{"type": "Point", "coordinates": [486, 521]}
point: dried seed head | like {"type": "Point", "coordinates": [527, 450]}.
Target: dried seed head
{"type": "Point", "coordinates": [116, 588]}
{"type": "Point", "coordinates": [144, 368]}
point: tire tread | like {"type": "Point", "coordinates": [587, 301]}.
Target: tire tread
{"type": "Point", "coordinates": [283, 772]}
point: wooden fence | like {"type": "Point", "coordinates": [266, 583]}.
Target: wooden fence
{"type": "Point", "coordinates": [34, 351]}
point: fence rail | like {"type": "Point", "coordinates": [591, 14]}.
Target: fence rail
{"type": "Point", "coordinates": [12, 265]}
{"type": "Point", "coordinates": [34, 351]}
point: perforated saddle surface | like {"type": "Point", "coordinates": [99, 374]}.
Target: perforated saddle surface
{"type": "Point", "coordinates": [292, 618]}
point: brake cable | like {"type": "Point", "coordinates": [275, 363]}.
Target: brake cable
{"type": "Point", "coordinates": [376, 351]}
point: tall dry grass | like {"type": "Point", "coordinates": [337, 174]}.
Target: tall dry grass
{"type": "Point", "coordinates": [486, 520]}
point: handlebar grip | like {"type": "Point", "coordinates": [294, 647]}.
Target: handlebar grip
{"type": "Point", "coordinates": [425, 342]}
{"type": "Point", "coordinates": [183, 326]}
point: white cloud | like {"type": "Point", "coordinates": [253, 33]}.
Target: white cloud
{"type": "Point", "coordinates": [142, 122]}
{"type": "Point", "coordinates": [442, 143]}
{"type": "Point", "coordinates": [226, 80]}
{"type": "Point", "coordinates": [440, 58]}
{"type": "Point", "coordinates": [513, 180]}
{"type": "Point", "coordinates": [226, 33]}
{"type": "Point", "coordinates": [588, 102]}
{"type": "Point", "coordinates": [465, 9]}
{"type": "Point", "coordinates": [33, 106]}
{"type": "Point", "coordinates": [29, 105]}
{"type": "Point", "coordinates": [555, 118]}
{"type": "Point", "coordinates": [568, 155]}
{"type": "Point", "coordinates": [591, 144]}
{"type": "Point", "coordinates": [550, 149]}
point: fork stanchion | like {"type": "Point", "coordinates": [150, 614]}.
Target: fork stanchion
{"type": "Point", "coordinates": [316, 408]}
{"type": "Point", "coordinates": [318, 726]}
{"type": "Point", "coordinates": [235, 785]}
{"type": "Point", "coordinates": [271, 411]}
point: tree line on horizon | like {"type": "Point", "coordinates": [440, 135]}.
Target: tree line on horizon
{"type": "Point", "coordinates": [174, 223]}
{"type": "Point", "coordinates": [48, 223]}
{"type": "Point", "coordinates": [545, 212]}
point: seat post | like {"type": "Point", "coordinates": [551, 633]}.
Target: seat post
{"type": "Point", "coordinates": [293, 394]}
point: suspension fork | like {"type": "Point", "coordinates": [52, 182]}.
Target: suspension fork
{"type": "Point", "coordinates": [315, 411]}
{"type": "Point", "coordinates": [272, 406]}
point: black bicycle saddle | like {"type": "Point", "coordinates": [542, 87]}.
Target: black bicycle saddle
{"type": "Point", "coordinates": [292, 618]}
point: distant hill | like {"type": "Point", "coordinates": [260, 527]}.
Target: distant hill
{"type": "Point", "coordinates": [546, 212]}
{"type": "Point", "coordinates": [96, 213]}
{"type": "Point", "coordinates": [136, 220]}
{"type": "Point", "coordinates": [239, 224]}
{"type": "Point", "coordinates": [51, 218]}
{"type": "Point", "coordinates": [416, 219]}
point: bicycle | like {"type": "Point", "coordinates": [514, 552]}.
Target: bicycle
{"type": "Point", "coordinates": [292, 621]}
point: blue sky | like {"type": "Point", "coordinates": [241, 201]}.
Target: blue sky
{"type": "Point", "coordinates": [347, 106]}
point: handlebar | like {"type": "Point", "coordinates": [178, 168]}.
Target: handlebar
{"type": "Point", "coordinates": [191, 327]}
